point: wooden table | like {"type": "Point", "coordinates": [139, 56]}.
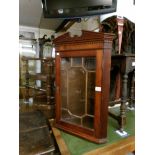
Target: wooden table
{"type": "Point", "coordinates": [73, 145]}
{"type": "Point", "coordinates": [125, 64]}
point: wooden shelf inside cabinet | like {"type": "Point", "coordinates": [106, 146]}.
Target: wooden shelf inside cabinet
{"type": "Point", "coordinates": [43, 95]}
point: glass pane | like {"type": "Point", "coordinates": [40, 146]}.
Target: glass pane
{"type": "Point", "coordinates": [78, 90]}
{"type": "Point", "coordinates": [76, 61]}
{"type": "Point", "coordinates": [76, 87]}
{"type": "Point", "coordinates": [90, 93]}
{"type": "Point", "coordinates": [90, 63]}
{"type": "Point", "coordinates": [64, 88]}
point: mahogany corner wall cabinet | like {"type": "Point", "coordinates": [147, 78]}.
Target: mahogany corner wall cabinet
{"type": "Point", "coordinates": [82, 84]}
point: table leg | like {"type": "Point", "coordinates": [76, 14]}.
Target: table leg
{"type": "Point", "coordinates": [132, 91]}
{"type": "Point", "coordinates": [48, 83]}
{"type": "Point", "coordinates": [123, 102]}
{"type": "Point", "coordinates": [27, 84]}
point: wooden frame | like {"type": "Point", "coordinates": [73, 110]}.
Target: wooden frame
{"type": "Point", "coordinates": [89, 44]}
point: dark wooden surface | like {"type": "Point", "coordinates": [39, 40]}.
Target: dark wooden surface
{"type": "Point", "coordinates": [89, 44]}
{"type": "Point", "coordinates": [34, 134]}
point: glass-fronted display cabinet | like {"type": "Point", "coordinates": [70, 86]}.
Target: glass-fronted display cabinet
{"type": "Point", "coordinates": [77, 86]}
{"type": "Point", "coordinates": [82, 84]}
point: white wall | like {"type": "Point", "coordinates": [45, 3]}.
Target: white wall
{"type": "Point", "coordinates": [90, 24]}
{"type": "Point", "coordinates": [125, 8]}
{"type": "Point", "coordinates": [37, 31]}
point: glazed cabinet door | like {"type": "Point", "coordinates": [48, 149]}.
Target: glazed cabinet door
{"type": "Point", "coordinates": [77, 90]}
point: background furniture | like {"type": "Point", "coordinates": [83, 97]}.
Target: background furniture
{"type": "Point", "coordinates": [28, 48]}
{"type": "Point", "coordinates": [43, 96]}
{"type": "Point", "coordinates": [37, 83]}
{"type": "Point", "coordinates": [122, 65]}
{"type": "Point", "coordinates": [124, 89]}
{"type": "Point", "coordinates": [82, 84]}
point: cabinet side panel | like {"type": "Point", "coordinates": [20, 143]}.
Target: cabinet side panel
{"type": "Point", "coordinates": [106, 65]}
{"type": "Point", "coordinates": [98, 89]}
{"type": "Point", "coordinates": [57, 95]}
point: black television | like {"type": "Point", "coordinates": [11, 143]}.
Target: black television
{"type": "Point", "coordinates": [77, 8]}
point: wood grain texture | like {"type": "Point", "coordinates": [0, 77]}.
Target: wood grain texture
{"type": "Point", "coordinates": [121, 147]}
{"type": "Point", "coordinates": [62, 146]}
